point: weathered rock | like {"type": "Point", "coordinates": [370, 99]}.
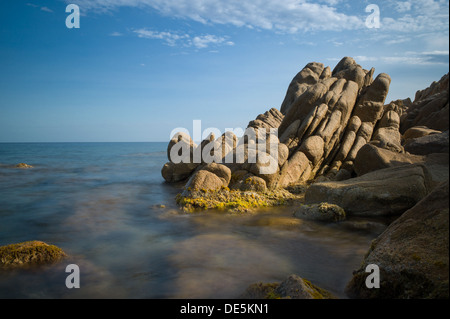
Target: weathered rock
{"type": "Point", "coordinates": [387, 134]}
{"type": "Point", "coordinates": [184, 147]}
{"type": "Point", "coordinates": [430, 107]}
{"type": "Point", "coordinates": [221, 171]}
{"type": "Point", "coordinates": [412, 254]}
{"type": "Point", "coordinates": [173, 173]}
{"type": "Point", "coordinates": [293, 170]}
{"type": "Point", "coordinates": [322, 212]}
{"type": "Point", "coordinates": [388, 191]}
{"type": "Point", "coordinates": [434, 143]}
{"type": "Point", "coordinates": [268, 120]}
{"type": "Point", "coordinates": [30, 252]}
{"type": "Point", "coordinates": [250, 182]}
{"type": "Point", "coordinates": [308, 76]}
{"type": "Point", "coordinates": [437, 165]}
{"type": "Point", "coordinates": [312, 147]}
{"type": "Point", "coordinates": [293, 287]}
{"type": "Point", "coordinates": [371, 158]}
{"type": "Point", "coordinates": [205, 181]}
{"type": "Point", "coordinates": [418, 131]}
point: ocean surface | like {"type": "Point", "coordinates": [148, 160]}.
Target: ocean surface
{"type": "Point", "coordinates": [107, 206]}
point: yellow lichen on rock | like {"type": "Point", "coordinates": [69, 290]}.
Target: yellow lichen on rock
{"type": "Point", "coordinates": [29, 252]}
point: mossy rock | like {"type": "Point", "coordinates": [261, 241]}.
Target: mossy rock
{"type": "Point", "coordinates": [233, 200]}
{"type": "Point", "coordinates": [29, 252]}
{"type": "Point", "coordinates": [293, 287]}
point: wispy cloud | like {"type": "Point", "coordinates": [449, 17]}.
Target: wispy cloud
{"type": "Point", "coordinates": [413, 58]}
{"type": "Point", "coordinates": [115, 34]}
{"type": "Point", "coordinates": [184, 39]}
{"type": "Point", "coordinates": [46, 9]}
{"type": "Point", "coordinates": [286, 16]}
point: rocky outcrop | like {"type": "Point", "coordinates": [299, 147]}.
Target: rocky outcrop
{"type": "Point", "coordinates": [384, 192]}
{"type": "Point", "coordinates": [294, 287]}
{"type": "Point", "coordinates": [332, 130]}
{"type": "Point", "coordinates": [412, 254]}
{"type": "Point", "coordinates": [329, 118]}
{"type": "Point", "coordinates": [430, 108]}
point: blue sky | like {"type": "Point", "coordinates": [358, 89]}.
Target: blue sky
{"type": "Point", "coordinates": [137, 69]}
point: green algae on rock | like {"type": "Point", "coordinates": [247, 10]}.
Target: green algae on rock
{"type": "Point", "coordinates": [234, 200]}
{"type": "Point", "coordinates": [29, 252]}
{"type": "Point", "coordinates": [293, 287]}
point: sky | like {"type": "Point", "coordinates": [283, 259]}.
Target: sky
{"type": "Point", "coordinates": [135, 70]}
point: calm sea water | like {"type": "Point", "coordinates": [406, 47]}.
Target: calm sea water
{"type": "Point", "coordinates": [101, 203]}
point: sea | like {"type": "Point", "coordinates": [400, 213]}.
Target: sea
{"type": "Point", "coordinates": [108, 207]}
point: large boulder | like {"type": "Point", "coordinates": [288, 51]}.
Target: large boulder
{"type": "Point", "coordinates": [173, 173]}
{"type": "Point", "coordinates": [210, 177]}
{"type": "Point", "coordinates": [428, 144]}
{"type": "Point", "coordinates": [412, 254]}
{"type": "Point", "coordinates": [388, 191]}
{"type": "Point", "coordinates": [204, 181]}
{"type": "Point", "coordinates": [418, 131]}
{"type": "Point", "coordinates": [371, 158]}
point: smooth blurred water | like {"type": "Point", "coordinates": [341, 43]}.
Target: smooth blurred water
{"type": "Point", "coordinates": [100, 202]}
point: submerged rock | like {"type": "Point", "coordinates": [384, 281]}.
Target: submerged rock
{"type": "Point", "coordinates": [23, 165]}
{"type": "Point", "coordinates": [412, 254]}
{"type": "Point", "coordinates": [293, 287]}
{"type": "Point", "coordinates": [30, 252]}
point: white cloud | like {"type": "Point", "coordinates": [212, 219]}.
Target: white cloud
{"type": "Point", "coordinates": [403, 6]}
{"type": "Point", "coordinates": [411, 57]}
{"type": "Point", "coordinates": [201, 42]}
{"type": "Point", "coordinates": [46, 9]}
{"type": "Point", "coordinates": [116, 34]}
{"type": "Point", "coordinates": [287, 16]}
{"type": "Point", "coordinates": [184, 39]}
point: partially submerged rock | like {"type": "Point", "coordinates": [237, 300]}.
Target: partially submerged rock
{"type": "Point", "coordinates": [234, 200]}
{"type": "Point", "coordinates": [412, 254]}
{"type": "Point", "coordinates": [29, 252]}
{"type": "Point", "coordinates": [23, 165]}
{"type": "Point", "coordinates": [323, 212]}
{"type": "Point", "coordinates": [294, 287]}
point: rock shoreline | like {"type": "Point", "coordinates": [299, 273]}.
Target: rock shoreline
{"type": "Point", "coordinates": [340, 151]}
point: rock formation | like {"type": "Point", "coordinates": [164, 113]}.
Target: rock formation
{"type": "Point", "coordinates": [325, 118]}
{"type": "Point", "coordinates": [351, 155]}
